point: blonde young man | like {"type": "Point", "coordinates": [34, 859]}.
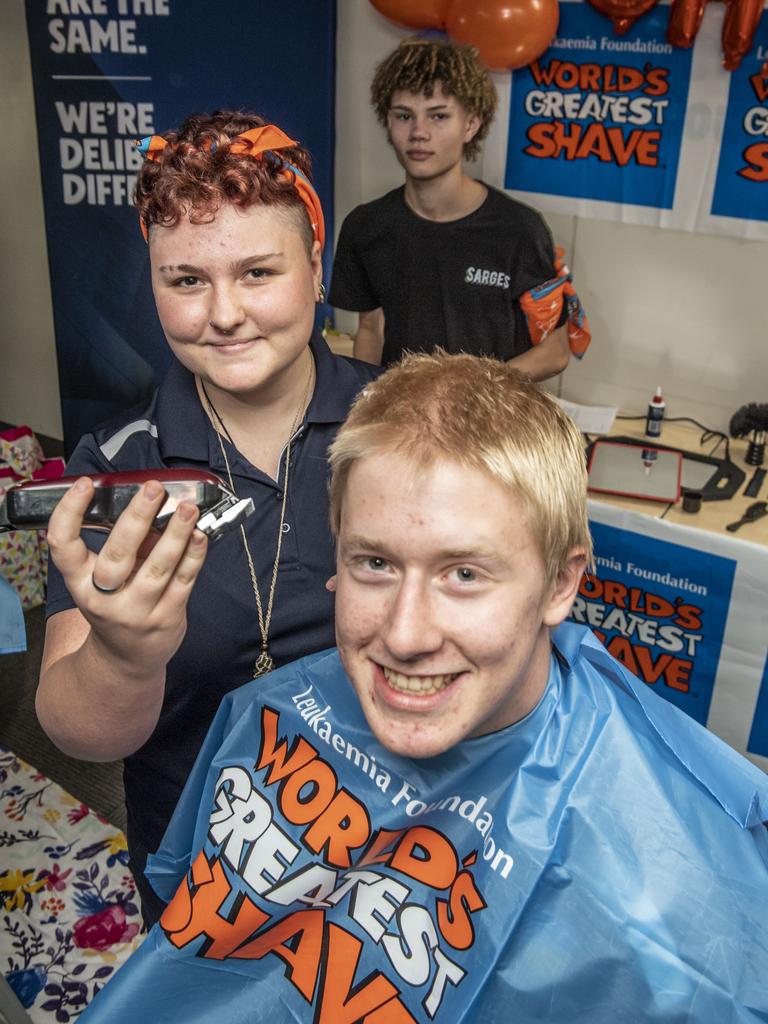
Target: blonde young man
{"type": "Point", "coordinates": [444, 258]}
{"type": "Point", "coordinates": [469, 812]}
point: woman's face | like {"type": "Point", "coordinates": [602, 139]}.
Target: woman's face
{"type": "Point", "coordinates": [236, 296]}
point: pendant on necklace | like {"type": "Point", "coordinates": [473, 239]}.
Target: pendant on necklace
{"type": "Point", "coordinates": [264, 664]}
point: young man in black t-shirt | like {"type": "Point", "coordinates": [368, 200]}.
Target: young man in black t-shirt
{"type": "Point", "coordinates": [443, 260]}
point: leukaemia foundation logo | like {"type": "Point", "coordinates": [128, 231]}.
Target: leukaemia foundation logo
{"type": "Point", "coordinates": [367, 921]}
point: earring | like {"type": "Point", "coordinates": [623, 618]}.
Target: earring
{"type": "Point", "coordinates": [321, 293]}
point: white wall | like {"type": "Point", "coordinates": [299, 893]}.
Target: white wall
{"type": "Point", "coordinates": [688, 311]}
{"type": "Point", "coordinates": [29, 385]}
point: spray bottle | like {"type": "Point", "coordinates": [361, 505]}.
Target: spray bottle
{"type": "Point", "coordinates": [655, 415]}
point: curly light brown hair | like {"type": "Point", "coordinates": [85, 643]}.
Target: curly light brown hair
{"type": "Point", "coordinates": [197, 174]}
{"type": "Point", "coordinates": [417, 65]}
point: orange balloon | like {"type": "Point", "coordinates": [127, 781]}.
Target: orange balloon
{"type": "Point", "coordinates": [508, 33]}
{"type": "Point", "coordinates": [414, 13]}
{"type": "Point", "coordinates": [684, 21]}
{"type": "Point", "coordinates": [741, 21]}
{"type": "Point", "coordinates": [623, 13]}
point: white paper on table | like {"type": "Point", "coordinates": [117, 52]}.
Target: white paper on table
{"type": "Point", "coordinates": [590, 419]}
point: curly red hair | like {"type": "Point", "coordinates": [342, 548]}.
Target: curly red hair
{"type": "Point", "coordinates": [196, 173]}
{"type": "Point", "coordinates": [419, 64]}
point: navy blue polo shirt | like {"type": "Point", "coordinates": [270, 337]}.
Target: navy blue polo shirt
{"type": "Point", "coordinates": [223, 639]}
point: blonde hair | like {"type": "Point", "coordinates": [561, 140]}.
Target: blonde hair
{"type": "Point", "coordinates": [482, 413]}
{"type": "Point", "coordinates": [417, 65]}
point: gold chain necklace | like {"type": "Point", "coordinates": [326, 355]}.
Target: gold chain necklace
{"type": "Point", "coordinates": [264, 663]}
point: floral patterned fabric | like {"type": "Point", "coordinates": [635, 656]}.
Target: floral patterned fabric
{"type": "Point", "coordinates": [69, 916]}
{"type": "Point", "coordinates": [24, 553]}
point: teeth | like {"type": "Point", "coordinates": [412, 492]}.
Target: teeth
{"type": "Point", "coordinates": [417, 684]}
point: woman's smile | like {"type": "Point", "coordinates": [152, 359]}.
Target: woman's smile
{"type": "Point", "coordinates": [236, 297]}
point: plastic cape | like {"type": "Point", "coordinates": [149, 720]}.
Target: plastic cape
{"type": "Point", "coordinates": [601, 861]}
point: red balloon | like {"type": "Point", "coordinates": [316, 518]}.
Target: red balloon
{"type": "Point", "coordinates": [623, 13]}
{"type": "Point", "coordinates": [508, 33]}
{"type": "Point", "coordinates": [414, 13]}
{"type": "Point", "coordinates": [684, 21]}
{"type": "Point", "coordinates": [741, 21]}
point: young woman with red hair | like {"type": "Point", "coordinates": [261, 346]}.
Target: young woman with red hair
{"type": "Point", "coordinates": [141, 646]}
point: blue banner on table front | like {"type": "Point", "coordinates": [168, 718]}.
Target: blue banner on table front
{"type": "Point", "coordinates": [661, 609]}
{"type": "Point", "coordinates": [600, 116]}
{"type": "Point", "coordinates": [112, 71]}
{"type": "Point", "coordinates": [741, 186]}
{"type": "Point", "coordinates": [758, 736]}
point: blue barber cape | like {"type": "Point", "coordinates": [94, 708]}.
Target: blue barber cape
{"type": "Point", "coordinates": [602, 861]}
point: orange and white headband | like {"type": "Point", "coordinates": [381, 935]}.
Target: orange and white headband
{"type": "Point", "coordinates": [257, 142]}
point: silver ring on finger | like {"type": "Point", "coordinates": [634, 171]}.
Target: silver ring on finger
{"type": "Point", "coordinates": [106, 590]}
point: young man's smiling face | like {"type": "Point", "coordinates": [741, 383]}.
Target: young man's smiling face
{"type": "Point", "coordinates": [429, 133]}
{"type": "Point", "coordinates": [442, 613]}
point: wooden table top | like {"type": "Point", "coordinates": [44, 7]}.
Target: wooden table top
{"type": "Point", "coordinates": [714, 515]}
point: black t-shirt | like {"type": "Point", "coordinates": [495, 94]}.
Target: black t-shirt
{"type": "Point", "coordinates": [453, 285]}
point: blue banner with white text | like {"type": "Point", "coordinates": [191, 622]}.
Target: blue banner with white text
{"type": "Point", "coordinates": [661, 610]}
{"type": "Point", "coordinates": [741, 186]}
{"type": "Point", "coordinates": [108, 71]}
{"type": "Point", "coordinates": [624, 126]}
{"type": "Point", "coordinates": [600, 116]}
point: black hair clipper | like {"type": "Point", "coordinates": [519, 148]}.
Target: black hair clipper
{"type": "Point", "coordinates": [29, 506]}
